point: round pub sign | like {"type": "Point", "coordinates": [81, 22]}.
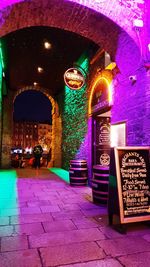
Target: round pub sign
{"type": "Point", "coordinates": [74, 78]}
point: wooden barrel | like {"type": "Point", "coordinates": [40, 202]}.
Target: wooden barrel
{"type": "Point", "coordinates": [78, 172]}
{"type": "Point", "coordinates": [100, 184]}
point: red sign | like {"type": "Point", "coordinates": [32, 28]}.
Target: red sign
{"type": "Point", "coordinates": [74, 78]}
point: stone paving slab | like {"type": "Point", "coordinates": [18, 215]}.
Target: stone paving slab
{"type": "Point", "coordinates": [79, 252]}
{"type": "Point", "coordinates": [74, 200]}
{"type": "Point", "coordinates": [63, 215]}
{"type": "Point", "coordinates": [61, 238]}
{"type": "Point", "coordinates": [4, 220]}
{"type": "Point", "coordinates": [91, 212]}
{"type": "Point", "coordinates": [88, 206]}
{"type": "Point", "coordinates": [11, 203]}
{"type": "Point", "coordinates": [124, 246]}
{"type": "Point", "coordinates": [14, 243]}
{"type": "Point", "coordinates": [50, 208]}
{"type": "Point", "coordinates": [32, 210]}
{"type": "Point", "coordinates": [97, 263]}
{"type": "Point", "coordinates": [84, 223]}
{"type": "Point", "coordinates": [28, 229]}
{"type": "Point", "coordinates": [110, 232]}
{"type": "Point", "coordinates": [58, 226]}
{"type": "Point", "coordinates": [69, 207]}
{"type": "Point", "coordinates": [9, 212]}
{"type": "Point", "coordinates": [38, 203]}
{"type": "Point", "coordinates": [136, 260]}
{"type": "Point", "coordinates": [6, 230]}
{"type": "Point", "coordinates": [24, 258]}
{"type": "Point", "coordinates": [31, 218]}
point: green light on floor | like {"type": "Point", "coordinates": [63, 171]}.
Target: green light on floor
{"type": "Point", "coordinates": [63, 174]}
{"type": "Point", "coordinates": [8, 192]}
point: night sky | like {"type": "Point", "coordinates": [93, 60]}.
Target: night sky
{"type": "Point", "coordinates": [32, 106]}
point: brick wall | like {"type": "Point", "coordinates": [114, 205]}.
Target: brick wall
{"type": "Point", "coordinates": [62, 14]}
{"type": "Point", "coordinates": [131, 101]}
{"type": "Point", "coordinates": [122, 12]}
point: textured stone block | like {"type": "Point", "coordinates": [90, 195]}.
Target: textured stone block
{"type": "Point", "coordinates": [23, 258]}
{"type": "Point", "coordinates": [28, 229]}
{"type": "Point", "coordinates": [30, 218]}
{"type": "Point", "coordinates": [124, 246]}
{"type": "Point", "coordinates": [6, 230]}
{"type": "Point", "coordinates": [97, 263]}
{"type": "Point", "coordinates": [77, 252]}
{"type": "Point", "coordinates": [58, 226]}
{"type": "Point", "coordinates": [63, 238]}
{"type": "Point", "coordinates": [136, 260]}
{"type": "Point", "coordinates": [14, 243]}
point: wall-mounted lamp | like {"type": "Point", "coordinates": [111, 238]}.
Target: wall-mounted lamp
{"type": "Point", "coordinates": [132, 79]}
{"type": "Point", "coordinates": [138, 23]}
{"type": "Point", "coordinates": [147, 66]}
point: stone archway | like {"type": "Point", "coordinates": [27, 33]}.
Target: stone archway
{"type": "Point", "coordinates": [7, 132]}
{"type": "Point", "coordinates": [91, 20]}
{"type": "Point", "coordinates": [56, 124]}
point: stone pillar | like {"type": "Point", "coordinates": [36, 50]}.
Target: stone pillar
{"type": "Point", "coordinates": [0, 110]}
{"type": "Point", "coordinates": [7, 124]}
{"type": "Point", "coordinates": [57, 141]}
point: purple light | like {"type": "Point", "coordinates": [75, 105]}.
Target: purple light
{"type": "Point", "coordinates": [5, 3]}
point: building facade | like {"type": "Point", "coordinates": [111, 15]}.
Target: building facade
{"type": "Point", "coordinates": [28, 134]}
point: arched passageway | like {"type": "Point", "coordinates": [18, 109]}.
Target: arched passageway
{"type": "Point", "coordinates": [56, 125]}
{"type": "Point", "coordinates": [98, 26]}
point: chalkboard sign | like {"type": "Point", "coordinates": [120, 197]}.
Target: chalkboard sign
{"type": "Point", "coordinates": [133, 183]}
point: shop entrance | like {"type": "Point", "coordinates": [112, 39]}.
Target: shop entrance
{"type": "Point", "coordinates": [100, 110]}
{"type": "Point", "coordinates": [101, 139]}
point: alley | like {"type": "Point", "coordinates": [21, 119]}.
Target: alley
{"type": "Point", "coordinates": [45, 222]}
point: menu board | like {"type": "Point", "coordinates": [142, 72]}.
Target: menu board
{"type": "Point", "coordinates": [133, 183]}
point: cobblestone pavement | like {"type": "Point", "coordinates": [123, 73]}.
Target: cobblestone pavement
{"type": "Point", "coordinates": [45, 222]}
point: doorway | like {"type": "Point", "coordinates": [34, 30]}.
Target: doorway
{"type": "Point", "coordinates": [101, 139]}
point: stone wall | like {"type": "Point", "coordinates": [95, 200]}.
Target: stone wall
{"type": "Point", "coordinates": [7, 124]}
{"type": "Point", "coordinates": [131, 99]}
{"type": "Point", "coordinates": [74, 121]}
{"type": "Point", "coordinates": [122, 12]}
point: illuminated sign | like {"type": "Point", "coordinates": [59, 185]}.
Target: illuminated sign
{"type": "Point", "coordinates": [74, 78]}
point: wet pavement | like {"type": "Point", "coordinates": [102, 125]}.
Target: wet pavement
{"type": "Point", "coordinates": [45, 222]}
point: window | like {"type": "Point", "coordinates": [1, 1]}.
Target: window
{"type": "Point", "coordinates": [118, 134]}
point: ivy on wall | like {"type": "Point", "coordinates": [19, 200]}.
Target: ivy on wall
{"type": "Point", "coordinates": [74, 118]}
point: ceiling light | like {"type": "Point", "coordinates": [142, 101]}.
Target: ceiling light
{"type": "Point", "coordinates": [47, 45]}
{"type": "Point", "coordinates": [35, 83]}
{"type": "Point", "coordinates": [40, 70]}
{"type": "Point", "coordinates": [138, 23]}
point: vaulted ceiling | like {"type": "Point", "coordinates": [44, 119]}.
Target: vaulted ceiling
{"type": "Point", "coordinates": [26, 52]}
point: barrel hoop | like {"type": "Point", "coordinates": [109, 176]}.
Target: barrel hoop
{"type": "Point", "coordinates": [101, 174]}
{"type": "Point", "coordinates": [78, 178]}
{"type": "Point", "coordinates": [78, 164]}
{"type": "Point", "coordinates": [78, 183]}
{"type": "Point", "coordinates": [100, 192]}
{"type": "Point", "coordinates": [101, 198]}
{"type": "Point", "coordinates": [103, 168]}
{"type": "Point", "coordinates": [100, 181]}
{"type": "Point", "coordinates": [78, 169]}
{"type": "Point", "coordinates": [78, 161]}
